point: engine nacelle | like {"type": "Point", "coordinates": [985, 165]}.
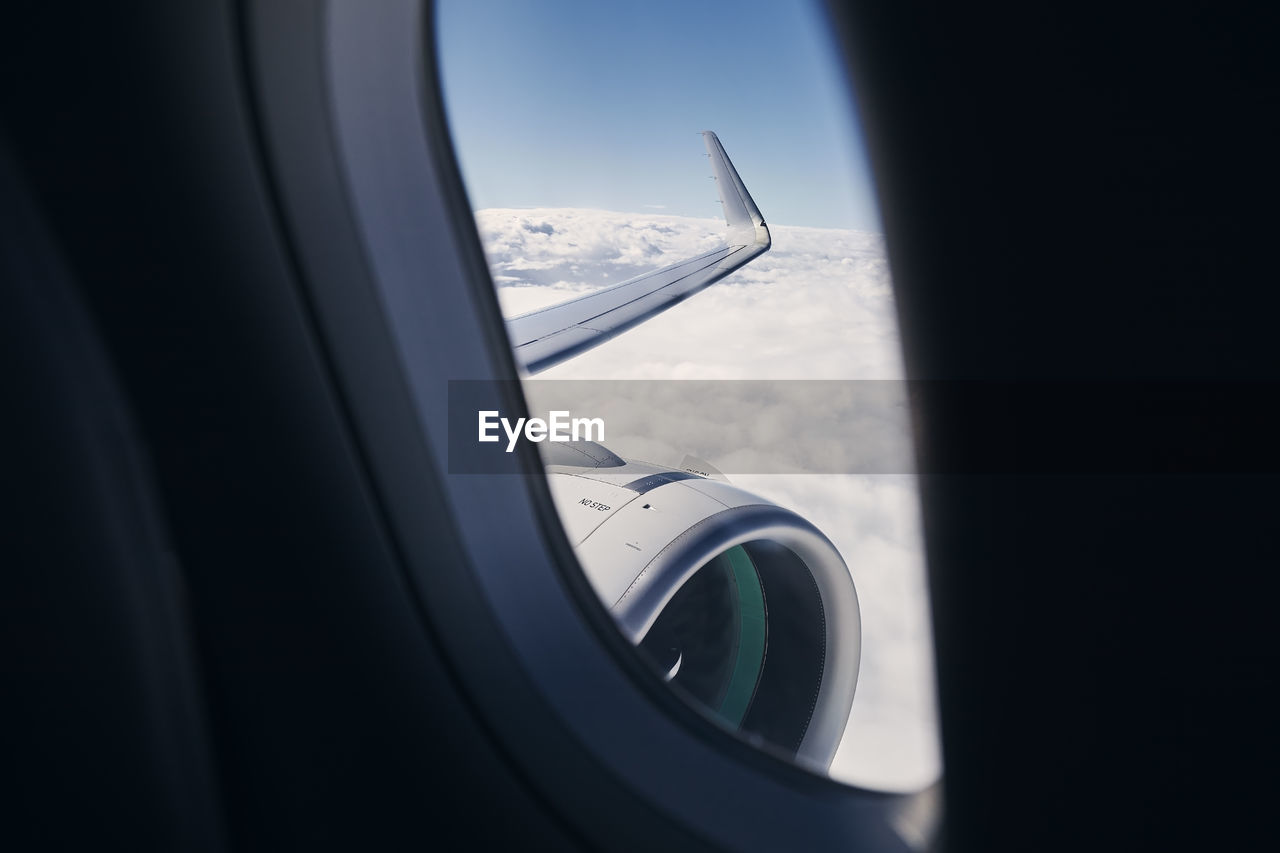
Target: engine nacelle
{"type": "Point", "coordinates": [747, 608]}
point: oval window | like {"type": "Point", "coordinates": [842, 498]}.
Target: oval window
{"type": "Point", "coordinates": [681, 225]}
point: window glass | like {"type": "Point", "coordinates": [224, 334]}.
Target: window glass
{"type": "Point", "coordinates": [578, 126]}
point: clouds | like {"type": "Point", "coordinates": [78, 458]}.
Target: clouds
{"type": "Point", "coordinates": [549, 254]}
{"type": "Point", "coordinates": [818, 305]}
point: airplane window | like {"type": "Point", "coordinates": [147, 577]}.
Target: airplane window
{"type": "Point", "coordinates": [681, 226]}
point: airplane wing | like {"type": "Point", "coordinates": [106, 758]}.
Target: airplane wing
{"type": "Point", "coordinates": [548, 336]}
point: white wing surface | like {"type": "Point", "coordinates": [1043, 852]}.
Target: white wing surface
{"type": "Point", "coordinates": [548, 336]}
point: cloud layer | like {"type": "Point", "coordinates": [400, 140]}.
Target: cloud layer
{"type": "Point", "coordinates": [818, 305]}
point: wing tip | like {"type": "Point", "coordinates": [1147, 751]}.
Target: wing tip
{"type": "Point", "coordinates": [747, 230]}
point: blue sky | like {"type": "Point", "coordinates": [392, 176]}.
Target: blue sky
{"type": "Point", "coordinates": [571, 103]}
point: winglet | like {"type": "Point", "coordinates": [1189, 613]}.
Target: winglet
{"type": "Point", "coordinates": [746, 225]}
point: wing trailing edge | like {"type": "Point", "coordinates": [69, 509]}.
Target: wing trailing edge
{"type": "Point", "coordinates": [551, 335]}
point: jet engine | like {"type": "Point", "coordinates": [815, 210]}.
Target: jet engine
{"type": "Point", "coordinates": [746, 608]}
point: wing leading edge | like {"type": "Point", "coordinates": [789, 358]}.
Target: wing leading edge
{"type": "Point", "coordinates": [548, 336]}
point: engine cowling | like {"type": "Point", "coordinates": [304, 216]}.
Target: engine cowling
{"type": "Point", "coordinates": [744, 606]}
